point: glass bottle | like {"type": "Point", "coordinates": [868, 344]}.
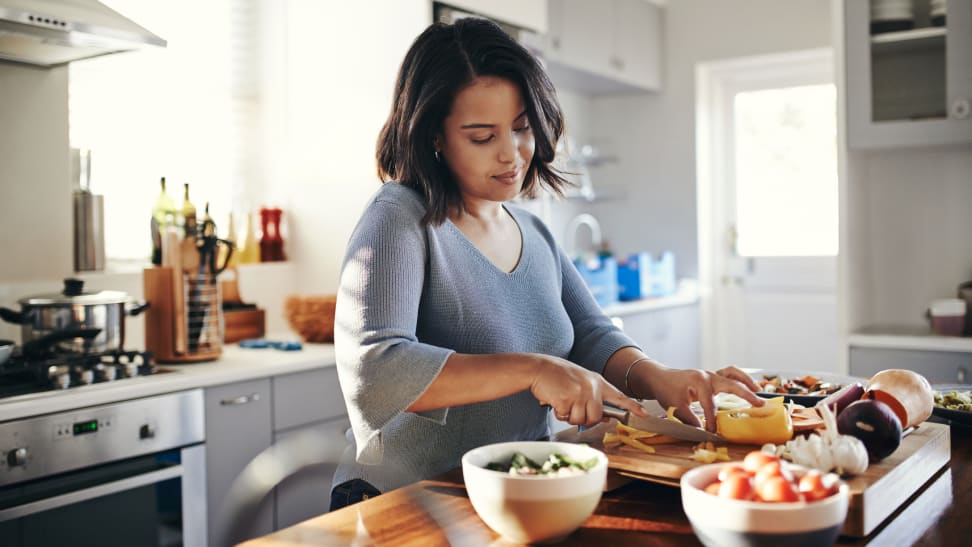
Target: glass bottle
{"type": "Point", "coordinates": [249, 251]}
{"type": "Point", "coordinates": [164, 206]}
{"type": "Point", "coordinates": [266, 238]}
{"type": "Point", "coordinates": [163, 212]}
{"type": "Point", "coordinates": [188, 213]}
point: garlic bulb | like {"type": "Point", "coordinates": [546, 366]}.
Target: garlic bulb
{"type": "Point", "coordinates": [828, 450]}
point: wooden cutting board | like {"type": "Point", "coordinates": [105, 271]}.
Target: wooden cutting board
{"type": "Point", "coordinates": [874, 495]}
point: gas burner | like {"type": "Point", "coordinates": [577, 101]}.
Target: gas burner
{"type": "Point", "coordinates": [61, 370]}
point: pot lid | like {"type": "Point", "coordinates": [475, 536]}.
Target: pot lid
{"type": "Point", "coordinates": [73, 294]}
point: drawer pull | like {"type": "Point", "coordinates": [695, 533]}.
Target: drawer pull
{"type": "Point", "coordinates": [960, 375]}
{"type": "Point", "coordinates": [241, 400]}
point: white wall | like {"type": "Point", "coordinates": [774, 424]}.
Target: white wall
{"type": "Point", "coordinates": [654, 135]}
{"type": "Point", "coordinates": [335, 70]}
{"type": "Point", "coordinates": [910, 212]}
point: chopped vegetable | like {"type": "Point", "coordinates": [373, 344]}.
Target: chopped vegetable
{"type": "Point", "coordinates": [808, 385]}
{"type": "Point", "coordinates": [708, 453]}
{"type": "Point", "coordinates": [770, 423]}
{"type": "Point", "coordinates": [637, 438]}
{"type": "Point", "coordinates": [555, 465]}
{"type": "Point", "coordinates": [954, 400]}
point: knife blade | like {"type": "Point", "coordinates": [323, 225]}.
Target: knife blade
{"type": "Point", "coordinates": [663, 426]}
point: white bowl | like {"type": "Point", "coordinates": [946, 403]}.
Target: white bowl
{"type": "Point", "coordinates": [725, 522]}
{"type": "Point", "coordinates": [537, 508]}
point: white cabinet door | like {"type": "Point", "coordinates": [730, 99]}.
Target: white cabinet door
{"type": "Point", "coordinates": [307, 493]}
{"type": "Point", "coordinates": [638, 53]}
{"type": "Point", "coordinates": [584, 32]}
{"type": "Point", "coordinates": [237, 429]}
{"type": "Point", "coordinates": [604, 47]}
{"type": "Point", "coordinates": [670, 336]}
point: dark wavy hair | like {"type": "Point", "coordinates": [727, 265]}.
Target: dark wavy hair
{"type": "Point", "coordinates": [444, 59]}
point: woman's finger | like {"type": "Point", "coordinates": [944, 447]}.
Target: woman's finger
{"type": "Point", "coordinates": [737, 374]}
{"type": "Point", "coordinates": [728, 385]}
{"type": "Point", "coordinates": [614, 397]}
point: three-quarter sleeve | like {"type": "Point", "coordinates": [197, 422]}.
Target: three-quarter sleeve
{"type": "Point", "coordinates": [382, 366]}
{"type": "Point", "coordinates": [596, 338]}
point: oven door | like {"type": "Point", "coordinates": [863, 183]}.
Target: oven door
{"type": "Point", "coordinates": [155, 500]}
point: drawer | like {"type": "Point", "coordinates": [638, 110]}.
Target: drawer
{"type": "Point", "coordinates": [939, 367]}
{"type": "Point", "coordinates": [306, 397]}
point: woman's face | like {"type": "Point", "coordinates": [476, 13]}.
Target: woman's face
{"type": "Point", "coordinates": [486, 140]}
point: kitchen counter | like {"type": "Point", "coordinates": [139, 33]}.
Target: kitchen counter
{"type": "Point", "coordinates": [686, 294]}
{"type": "Point", "coordinates": [437, 512]}
{"type": "Point", "coordinates": [235, 365]}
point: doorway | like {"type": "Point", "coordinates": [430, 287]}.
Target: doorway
{"type": "Point", "coordinates": [768, 212]}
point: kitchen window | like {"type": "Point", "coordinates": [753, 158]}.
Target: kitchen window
{"type": "Point", "coordinates": [188, 112]}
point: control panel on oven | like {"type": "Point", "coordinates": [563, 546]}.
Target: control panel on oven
{"type": "Point", "coordinates": [44, 445]}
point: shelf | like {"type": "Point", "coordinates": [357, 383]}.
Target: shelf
{"type": "Point", "coordinates": [908, 337]}
{"type": "Point", "coordinates": [908, 40]}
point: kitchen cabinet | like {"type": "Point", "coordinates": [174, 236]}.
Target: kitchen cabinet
{"type": "Point", "coordinates": [238, 428]}
{"type": "Point", "coordinates": [941, 367]}
{"type": "Point", "coordinates": [308, 403]}
{"type": "Point", "coordinates": [307, 493]}
{"type": "Point", "coordinates": [529, 14]}
{"type": "Point", "coordinates": [668, 335]}
{"type": "Point", "coordinates": [908, 88]}
{"type": "Point", "coordinates": [244, 419]}
{"type": "Point", "coordinates": [605, 47]}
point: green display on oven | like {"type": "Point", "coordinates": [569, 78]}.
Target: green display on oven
{"type": "Point", "coordinates": [91, 426]}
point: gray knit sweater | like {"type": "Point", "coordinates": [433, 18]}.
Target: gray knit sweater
{"type": "Point", "coordinates": [409, 296]}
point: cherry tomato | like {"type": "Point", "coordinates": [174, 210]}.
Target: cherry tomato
{"type": "Point", "coordinates": [737, 486]}
{"type": "Point", "coordinates": [770, 470]}
{"type": "Point", "coordinates": [778, 489]}
{"type": "Point", "coordinates": [732, 469]}
{"type": "Point", "coordinates": [756, 459]}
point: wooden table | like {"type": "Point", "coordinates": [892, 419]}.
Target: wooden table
{"type": "Point", "coordinates": [437, 512]}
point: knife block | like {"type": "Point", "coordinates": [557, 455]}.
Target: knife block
{"type": "Point", "coordinates": [184, 323]}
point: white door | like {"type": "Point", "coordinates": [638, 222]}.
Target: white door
{"type": "Point", "coordinates": [768, 210]}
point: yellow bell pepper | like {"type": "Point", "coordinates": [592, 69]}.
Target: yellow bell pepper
{"type": "Point", "coordinates": [770, 423]}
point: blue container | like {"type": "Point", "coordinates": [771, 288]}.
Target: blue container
{"type": "Point", "coordinates": [601, 276]}
{"type": "Point", "coordinates": [640, 276]}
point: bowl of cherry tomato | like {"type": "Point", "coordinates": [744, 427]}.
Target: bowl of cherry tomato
{"type": "Point", "coordinates": [764, 500]}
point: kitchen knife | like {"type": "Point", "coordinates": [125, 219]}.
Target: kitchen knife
{"type": "Point", "coordinates": [663, 426]}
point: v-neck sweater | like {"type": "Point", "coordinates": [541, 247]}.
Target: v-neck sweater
{"type": "Point", "coordinates": [409, 296]}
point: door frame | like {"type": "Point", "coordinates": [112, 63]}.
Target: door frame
{"type": "Point", "coordinates": [715, 81]}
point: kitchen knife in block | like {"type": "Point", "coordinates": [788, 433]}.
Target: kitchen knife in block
{"type": "Point", "coordinates": [663, 426]}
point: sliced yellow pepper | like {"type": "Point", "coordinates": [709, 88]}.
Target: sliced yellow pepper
{"type": "Point", "coordinates": [770, 423]}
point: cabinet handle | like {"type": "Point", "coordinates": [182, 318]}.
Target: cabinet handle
{"type": "Point", "coordinates": [960, 376]}
{"type": "Point", "coordinates": [961, 109]}
{"type": "Point", "coordinates": [241, 400]}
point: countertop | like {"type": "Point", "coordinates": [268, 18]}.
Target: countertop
{"type": "Point", "coordinates": [235, 365]}
{"type": "Point", "coordinates": [438, 512]}
{"type": "Point", "coordinates": [686, 294]}
{"type": "Point", "coordinates": [908, 337]}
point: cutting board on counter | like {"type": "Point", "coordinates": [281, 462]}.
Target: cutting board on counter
{"type": "Point", "coordinates": [874, 495]}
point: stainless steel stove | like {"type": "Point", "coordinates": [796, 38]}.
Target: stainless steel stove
{"type": "Point", "coordinates": [66, 476]}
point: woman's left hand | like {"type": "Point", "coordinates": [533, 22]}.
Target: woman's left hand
{"type": "Point", "coordinates": [679, 388]}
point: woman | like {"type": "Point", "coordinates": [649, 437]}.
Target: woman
{"type": "Point", "coordinates": [459, 320]}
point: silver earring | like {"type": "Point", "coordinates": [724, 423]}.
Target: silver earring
{"type": "Point", "coordinates": [438, 156]}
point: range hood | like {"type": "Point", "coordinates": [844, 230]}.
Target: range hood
{"type": "Point", "coordinates": [54, 32]}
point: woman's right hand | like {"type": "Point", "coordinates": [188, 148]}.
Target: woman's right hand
{"type": "Point", "coordinates": [576, 394]}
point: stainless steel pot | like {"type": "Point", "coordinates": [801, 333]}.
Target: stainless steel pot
{"type": "Point", "coordinates": [73, 309]}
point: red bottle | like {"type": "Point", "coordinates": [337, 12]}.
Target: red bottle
{"type": "Point", "coordinates": [271, 243]}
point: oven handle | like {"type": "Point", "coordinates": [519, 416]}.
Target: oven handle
{"type": "Point", "coordinates": [93, 492]}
